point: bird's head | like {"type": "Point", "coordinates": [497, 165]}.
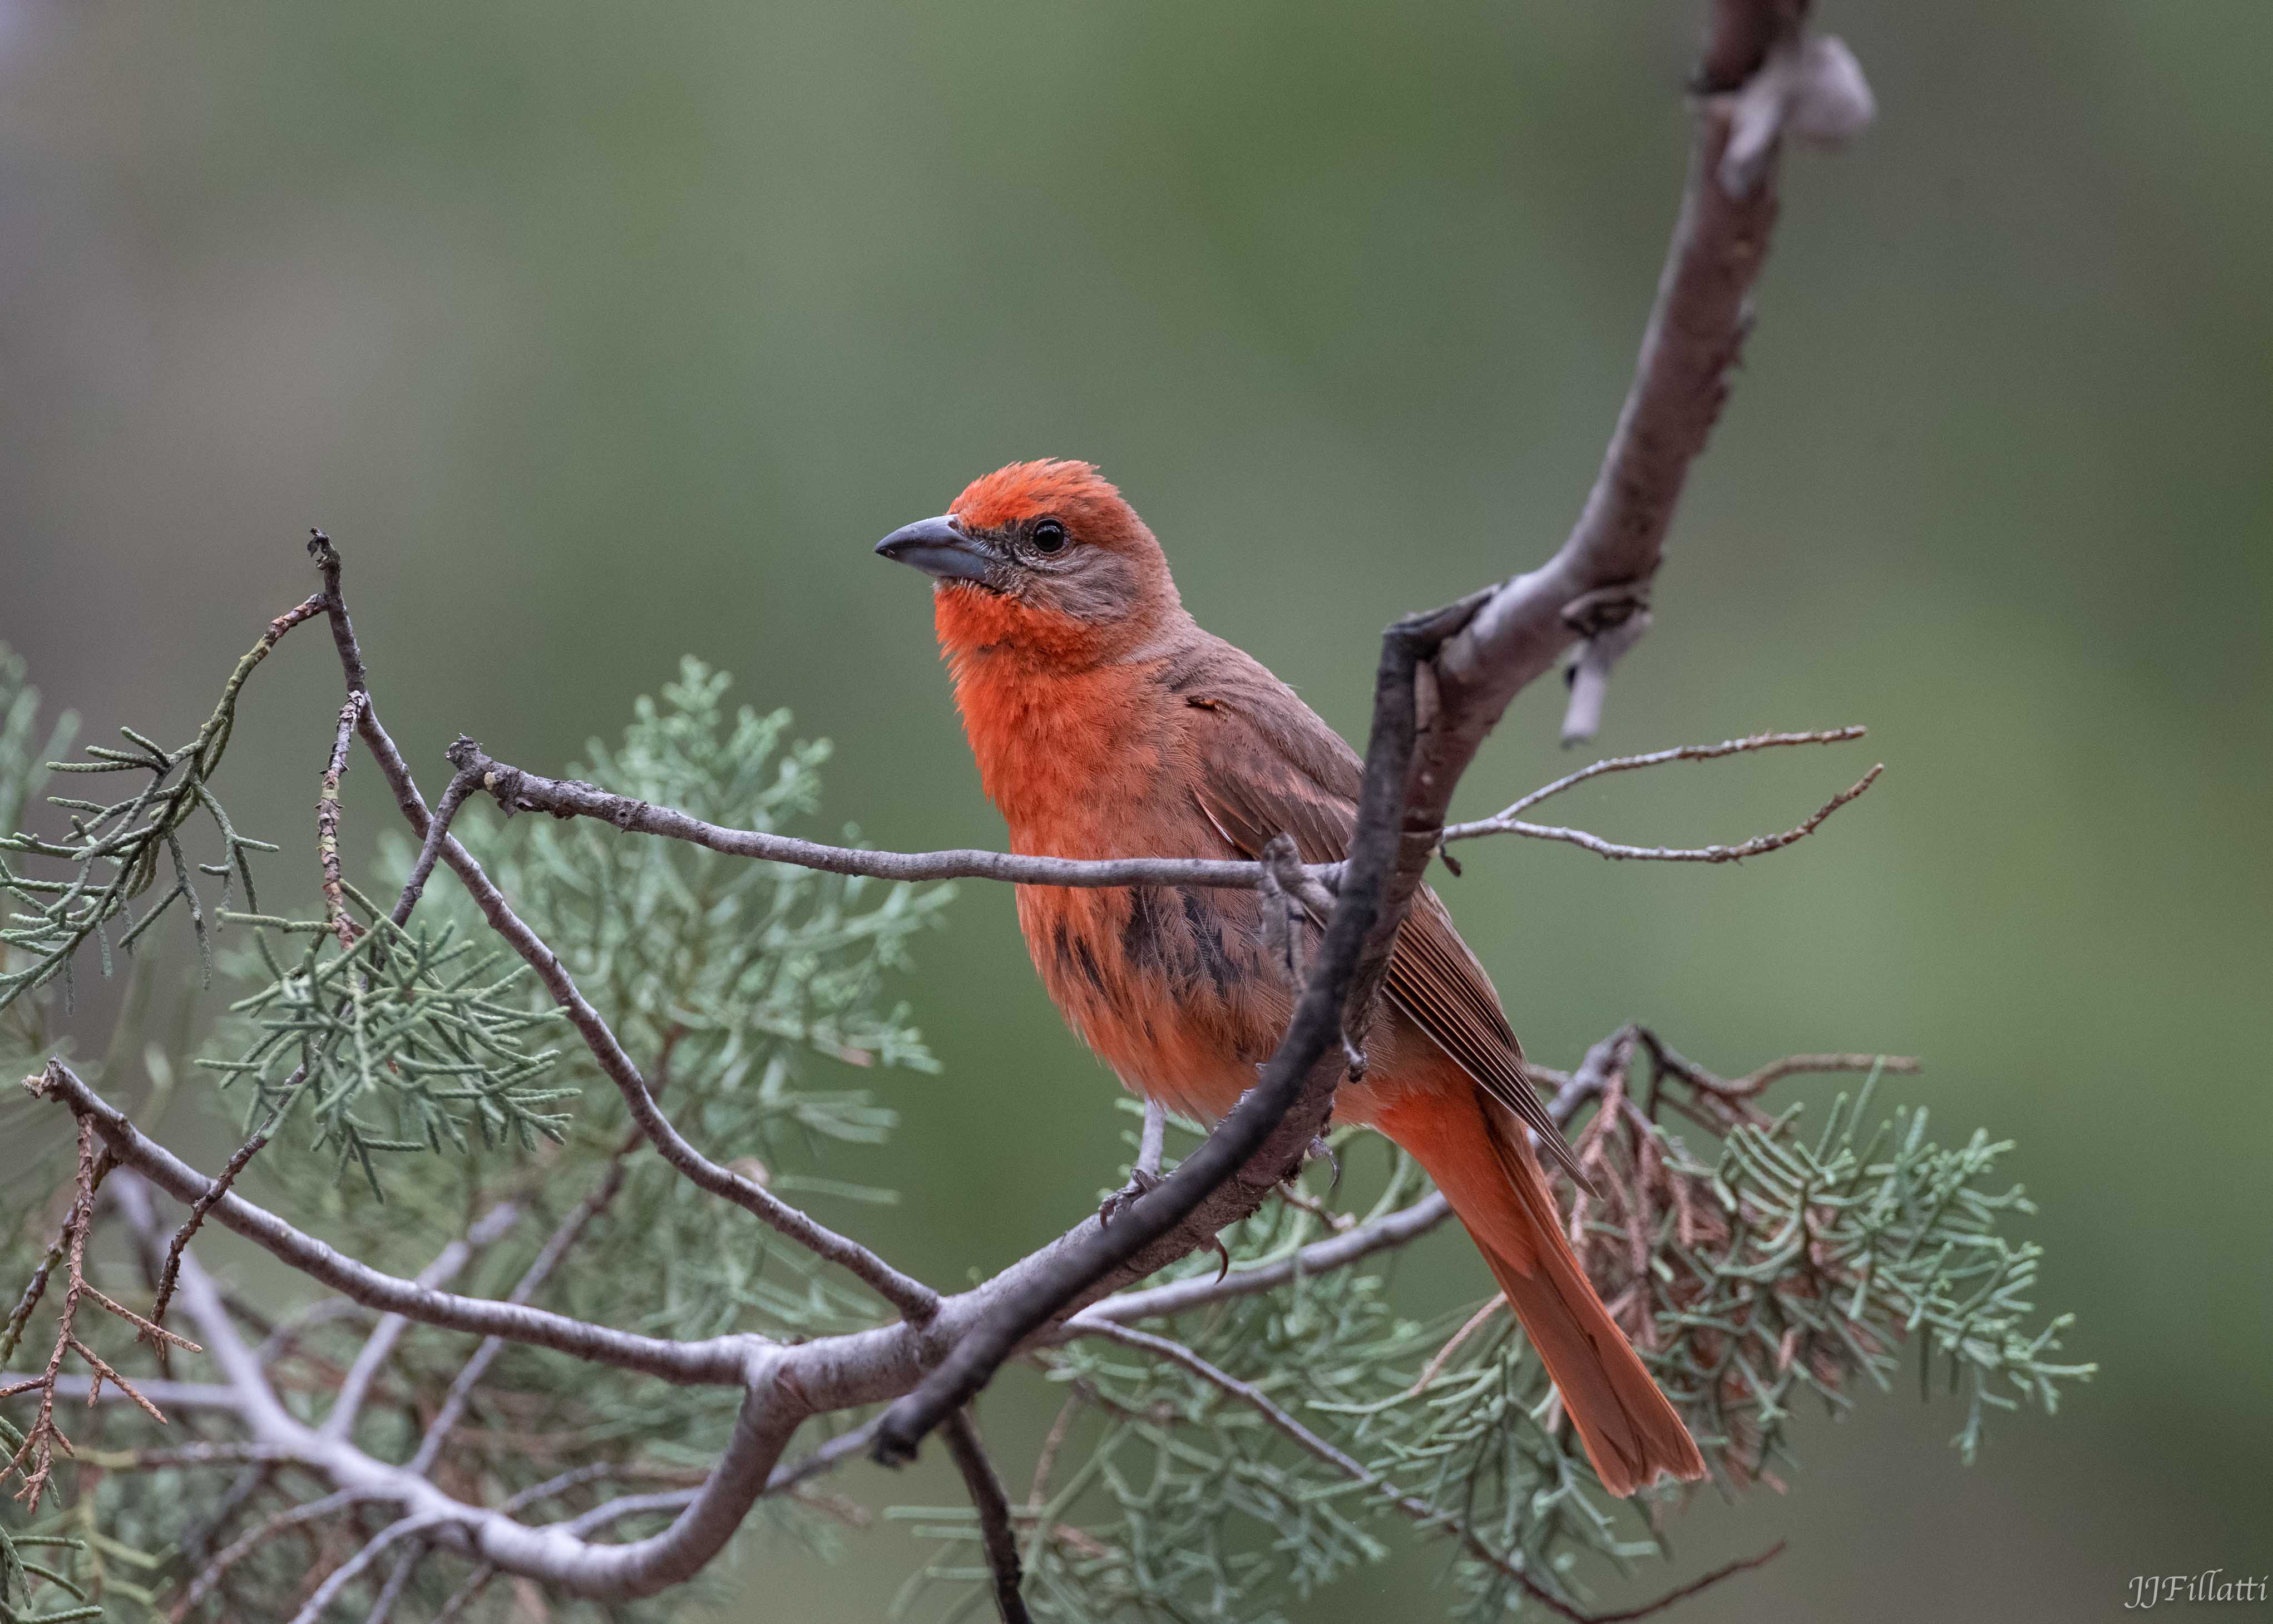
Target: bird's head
{"type": "Point", "coordinates": [1044, 561]}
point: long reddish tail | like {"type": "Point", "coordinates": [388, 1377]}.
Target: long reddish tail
{"type": "Point", "coordinates": [1489, 1175]}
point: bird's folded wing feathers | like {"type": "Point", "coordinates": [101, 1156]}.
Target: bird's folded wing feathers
{"type": "Point", "coordinates": [1254, 785]}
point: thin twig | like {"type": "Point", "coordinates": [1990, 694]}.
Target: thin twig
{"type": "Point", "coordinates": [1811, 1065]}
{"type": "Point", "coordinates": [623, 1471]}
{"type": "Point", "coordinates": [378, 1347]}
{"type": "Point", "coordinates": [382, 1607]}
{"type": "Point", "coordinates": [1178, 1297]}
{"type": "Point", "coordinates": [283, 1341]}
{"type": "Point", "coordinates": [34, 1289]}
{"type": "Point", "coordinates": [1303, 1200]}
{"type": "Point", "coordinates": [1743, 1563]}
{"type": "Point", "coordinates": [327, 827]}
{"type": "Point", "coordinates": [841, 1447]}
{"type": "Point", "coordinates": [210, 1577]}
{"type": "Point", "coordinates": [1509, 819]}
{"type": "Point", "coordinates": [198, 1539]}
{"type": "Point", "coordinates": [348, 1571]}
{"type": "Point", "coordinates": [1506, 815]}
{"type": "Point", "coordinates": [1757, 845]}
{"type": "Point", "coordinates": [37, 1454]}
{"type": "Point", "coordinates": [1046, 1460]}
{"type": "Point", "coordinates": [219, 1187]}
{"type": "Point", "coordinates": [466, 1594]}
{"type": "Point", "coordinates": [1420, 1510]}
{"type": "Point", "coordinates": [995, 1534]}
{"type": "Point", "coordinates": [1443, 1355]}
{"type": "Point", "coordinates": [548, 1259]}
{"type": "Point", "coordinates": [1247, 1393]}
{"type": "Point", "coordinates": [168, 1395]}
{"type": "Point", "coordinates": [1751, 1083]}
{"type": "Point", "coordinates": [430, 848]}
{"type": "Point", "coordinates": [517, 790]}
{"type": "Point", "coordinates": [190, 1455]}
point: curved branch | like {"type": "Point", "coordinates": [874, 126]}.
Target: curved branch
{"type": "Point", "coordinates": [1600, 578]}
{"type": "Point", "coordinates": [773, 1407]}
{"type": "Point", "coordinates": [719, 1362]}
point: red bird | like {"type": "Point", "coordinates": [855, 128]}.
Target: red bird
{"type": "Point", "coordinates": [1106, 724]}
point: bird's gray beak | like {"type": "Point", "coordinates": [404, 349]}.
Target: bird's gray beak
{"type": "Point", "coordinates": [940, 550]}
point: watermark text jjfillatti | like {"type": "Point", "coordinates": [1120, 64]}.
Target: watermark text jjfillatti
{"type": "Point", "coordinates": [2211, 1584]}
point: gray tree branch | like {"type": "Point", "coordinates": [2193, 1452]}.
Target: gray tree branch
{"type": "Point", "coordinates": [717, 1361]}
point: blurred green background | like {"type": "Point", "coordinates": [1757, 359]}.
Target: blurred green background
{"type": "Point", "coordinates": [597, 333]}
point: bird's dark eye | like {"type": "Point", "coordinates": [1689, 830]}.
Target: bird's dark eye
{"type": "Point", "coordinates": [1049, 536]}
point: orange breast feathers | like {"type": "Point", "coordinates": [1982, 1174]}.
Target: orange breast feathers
{"type": "Point", "coordinates": [1059, 741]}
{"type": "Point", "coordinates": [1166, 985]}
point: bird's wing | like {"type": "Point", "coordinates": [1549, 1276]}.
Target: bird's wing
{"type": "Point", "coordinates": [1269, 765]}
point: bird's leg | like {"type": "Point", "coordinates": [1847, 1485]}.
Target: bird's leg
{"type": "Point", "coordinates": [1152, 1142]}
{"type": "Point", "coordinates": [1283, 914]}
{"type": "Point", "coordinates": [1144, 1177]}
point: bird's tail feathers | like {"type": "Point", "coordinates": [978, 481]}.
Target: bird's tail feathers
{"type": "Point", "coordinates": [1632, 1432]}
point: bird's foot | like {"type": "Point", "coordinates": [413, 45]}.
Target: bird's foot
{"type": "Point", "coordinates": [1141, 1184]}
{"type": "Point", "coordinates": [1316, 1150]}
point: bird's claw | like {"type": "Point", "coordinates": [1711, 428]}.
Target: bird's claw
{"type": "Point", "coordinates": [1320, 1151]}
{"type": "Point", "coordinates": [1137, 1188]}
{"type": "Point", "coordinates": [1141, 1184]}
